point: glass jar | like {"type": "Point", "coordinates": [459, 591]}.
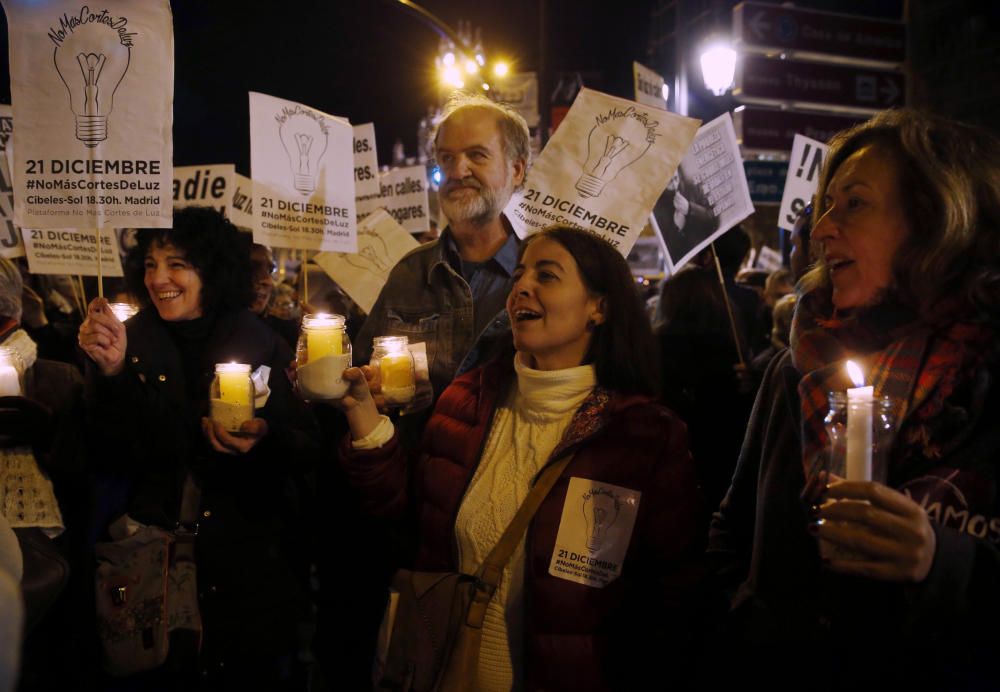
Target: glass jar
{"type": "Point", "coordinates": [391, 355]}
{"type": "Point", "coordinates": [230, 396]}
{"type": "Point", "coordinates": [322, 354]}
{"type": "Point", "coordinates": [880, 413]}
{"type": "Point", "coordinates": [123, 310]}
{"type": "Point", "coordinates": [11, 372]}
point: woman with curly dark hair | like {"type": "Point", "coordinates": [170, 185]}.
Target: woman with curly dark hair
{"type": "Point", "coordinates": [148, 396]}
{"type": "Point", "coordinates": [852, 582]}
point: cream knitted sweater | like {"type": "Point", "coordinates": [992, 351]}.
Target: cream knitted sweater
{"type": "Point", "coordinates": [526, 428]}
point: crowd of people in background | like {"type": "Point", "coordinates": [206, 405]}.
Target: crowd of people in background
{"type": "Point", "coordinates": [709, 411]}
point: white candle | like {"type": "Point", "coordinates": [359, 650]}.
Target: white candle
{"type": "Point", "coordinates": [10, 385]}
{"type": "Point", "coordinates": [859, 427]}
{"type": "Point", "coordinates": [234, 405]}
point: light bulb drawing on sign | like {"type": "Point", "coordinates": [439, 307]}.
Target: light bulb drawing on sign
{"type": "Point", "coordinates": [304, 135]}
{"type": "Point", "coordinates": [372, 255]}
{"type": "Point", "coordinates": [600, 510]}
{"type": "Point", "coordinates": [618, 139]}
{"type": "Point", "coordinates": [92, 54]}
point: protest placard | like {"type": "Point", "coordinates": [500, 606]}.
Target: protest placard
{"type": "Point", "coordinates": [648, 86]}
{"type": "Point", "coordinates": [92, 91]}
{"type": "Point", "coordinates": [242, 203]}
{"type": "Point", "coordinates": [520, 92]}
{"type": "Point", "coordinates": [204, 186]}
{"type": "Point", "coordinates": [71, 251]}
{"type": "Point", "coordinates": [603, 169]}
{"type": "Point", "coordinates": [382, 242]}
{"type": "Point", "coordinates": [365, 161]}
{"type": "Point", "coordinates": [804, 166]}
{"type": "Point", "coordinates": [302, 165]}
{"type": "Point", "coordinates": [11, 245]}
{"type": "Point", "coordinates": [707, 195]}
{"type": "Point", "coordinates": [403, 193]}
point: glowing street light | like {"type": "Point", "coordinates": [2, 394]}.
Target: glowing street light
{"type": "Point", "coordinates": [718, 67]}
{"type": "Point", "coordinates": [501, 68]}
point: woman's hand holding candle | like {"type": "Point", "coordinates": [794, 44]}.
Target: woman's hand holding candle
{"type": "Point", "coordinates": [876, 521]}
{"type": "Point", "coordinates": [251, 432]}
{"type": "Point", "coordinates": [102, 338]}
{"type": "Point", "coordinates": [358, 404]}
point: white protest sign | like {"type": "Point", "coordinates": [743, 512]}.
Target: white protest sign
{"type": "Point", "coordinates": [603, 169]}
{"type": "Point", "coordinates": [206, 186]}
{"type": "Point", "coordinates": [11, 245]}
{"type": "Point", "coordinates": [302, 165]}
{"type": "Point", "coordinates": [242, 202]}
{"type": "Point", "coordinates": [381, 244]}
{"type": "Point", "coordinates": [71, 251]}
{"type": "Point", "coordinates": [769, 259]}
{"type": "Point", "coordinates": [92, 88]}
{"type": "Point", "coordinates": [595, 530]}
{"type": "Point", "coordinates": [365, 160]}
{"type": "Point", "coordinates": [520, 92]}
{"type": "Point", "coordinates": [404, 196]}
{"type": "Point", "coordinates": [804, 167]}
{"type": "Point", "coordinates": [648, 86]}
{"type": "Point", "coordinates": [707, 196]}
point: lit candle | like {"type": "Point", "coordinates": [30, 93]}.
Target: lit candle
{"type": "Point", "coordinates": [324, 335]}
{"type": "Point", "coordinates": [123, 310]}
{"type": "Point", "coordinates": [234, 405]}
{"type": "Point", "coordinates": [10, 381]}
{"type": "Point", "coordinates": [323, 355]}
{"type": "Point", "coordinates": [395, 369]}
{"type": "Point", "coordinates": [859, 426]}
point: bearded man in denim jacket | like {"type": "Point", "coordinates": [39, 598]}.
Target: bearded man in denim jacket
{"type": "Point", "coordinates": [450, 293]}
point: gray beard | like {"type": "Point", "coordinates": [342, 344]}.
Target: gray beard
{"type": "Point", "coordinates": [481, 209]}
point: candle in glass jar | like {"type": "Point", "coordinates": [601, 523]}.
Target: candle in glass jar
{"type": "Point", "coordinates": [396, 370]}
{"type": "Point", "coordinates": [234, 382]}
{"type": "Point", "coordinates": [859, 427]}
{"type": "Point", "coordinates": [324, 336]}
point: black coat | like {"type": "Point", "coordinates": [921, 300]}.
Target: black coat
{"type": "Point", "coordinates": [151, 425]}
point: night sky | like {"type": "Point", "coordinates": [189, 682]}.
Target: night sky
{"type": "Point", "coordinates": [367, 60]}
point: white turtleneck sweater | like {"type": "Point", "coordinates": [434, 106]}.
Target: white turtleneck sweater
{"type": "Point", "coordinates": [526, 429]}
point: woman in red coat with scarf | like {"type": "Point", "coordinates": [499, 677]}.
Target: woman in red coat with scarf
{"type": "Point", "coordinates": [598, 594]}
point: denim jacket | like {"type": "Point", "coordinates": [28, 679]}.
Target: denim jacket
{"type": "Point", "coordinates": [428, 300]}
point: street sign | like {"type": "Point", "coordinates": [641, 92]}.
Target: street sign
{"type": "Point", "coordinates": [831, 87]}
{"type": "Point", "coordinates": [766, 180]}
{"type": "Point", "coordinates": [770, 129]}
{"type": "Point", "coordinates": [834, 36]}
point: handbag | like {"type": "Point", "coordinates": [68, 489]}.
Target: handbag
{"type": "Point", "coordinates": [433, 624]}
{"type": "Point", "coordinates": [147, 595]}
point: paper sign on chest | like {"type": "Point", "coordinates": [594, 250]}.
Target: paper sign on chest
{"type": "Point", "coordinates": [92, 92]}
{"type": "Point", "coordinates": [302, 165]}
{"type": "Point", "coordinates": [603, 169]}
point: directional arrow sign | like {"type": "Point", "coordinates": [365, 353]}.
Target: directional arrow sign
{"type": "Point", "coordinates": [764, 80]}
{"type": "Point", "coordinates": [770, 129]}
{"type": "Point", "coordinates": [842, 37]}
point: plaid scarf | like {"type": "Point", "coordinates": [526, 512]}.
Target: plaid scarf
{"type": "Point", "coordinates": [917, 366]}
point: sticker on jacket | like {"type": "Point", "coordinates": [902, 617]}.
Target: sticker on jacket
{"type": "Point", "coordinates": [594, 532]}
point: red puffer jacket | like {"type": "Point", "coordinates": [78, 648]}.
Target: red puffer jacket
{"type": "Point", "coordinates": [577, 637]}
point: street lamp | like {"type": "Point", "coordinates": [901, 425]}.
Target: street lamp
{"type": "Point", "coordinates": [718, 67]}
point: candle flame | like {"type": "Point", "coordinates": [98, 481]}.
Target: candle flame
{"type": "Point", "coordinates": [855, 373]}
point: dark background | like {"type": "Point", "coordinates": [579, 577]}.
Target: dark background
{"type": "Point", "coordinates": [372, 60]}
